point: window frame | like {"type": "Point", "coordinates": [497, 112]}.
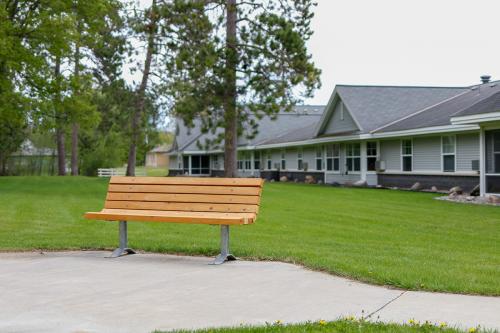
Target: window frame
{"type": "Point", "coordinates": [269, 160]}
{"type": "Point", "coordinates": [403, 155]}
{"type": "Point", "coordinates": [283, 159]}
{"type": "Point", "coordinates": [319, 157]}
{"type": "Point", "coordinates": [300, 159]}
{"type": "Point", "coordinates": [334, 157]}
{"type": "Point", "coordinates": [454, 154]}
{"type": "Point", "coordinates": [376, 156]}
{"type": "Point", "coordinates": [352, 157]}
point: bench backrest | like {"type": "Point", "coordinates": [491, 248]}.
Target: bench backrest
{"type": "Point", "coordinates": [195, 194]}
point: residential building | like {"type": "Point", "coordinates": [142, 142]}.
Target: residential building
{"type": "Point", "coordinates": [385, 135]}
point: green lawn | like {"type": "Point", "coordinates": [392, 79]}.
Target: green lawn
{"type": "Point", "coordinates": [340, 326]}
{"type": "Point", "coordinates": [402, 239]}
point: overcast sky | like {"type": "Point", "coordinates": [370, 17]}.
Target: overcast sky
{"type": "Point", "coordinates": [405, 42]}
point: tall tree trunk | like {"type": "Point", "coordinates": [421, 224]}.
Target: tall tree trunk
{"type": "Point", "coordinates": [60, 134]}
{"type": "Point", "coordinates": [74, 148]}
{"type": "Point", "coordinates": [230, 110]}
{"type": "Point", "coordinates": [75, 126]}
{"type": "Point", "coordinates": [141, 92]}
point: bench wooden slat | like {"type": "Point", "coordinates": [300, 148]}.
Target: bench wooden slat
{"type": "Point", "coordinates": [172, 216]}
{"type": "Point", "coordinates": [182, 206]}
{"type": "Point", "coordinates": [172, 197]}
{"type": "Point", "coordinates": [188, 181]}
{"type": "Point", "coordinates": [187, 189]}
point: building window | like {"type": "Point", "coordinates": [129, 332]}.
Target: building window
{"type": "Point", "coordinates": [269, 161]}
{"type": "Point", "coordinates": [319, 158]}
{"type": "Point", "coordinates": [448, 146]}
{"type": "Point", "coordinates": [185, 164]}
{"type": "Point", "coordinates": [283, 160]}
{"type": "Point", "coordinates": [256, 161]}
{"type": "Point", "coordinates": [407, 155]}
{"type": "Point", "coordinates": [371, 155]}
{"type": "Point", "coordinates": [200, 165]}
{"type": "Point", "coordinates": [353, 158]}
{"type": "Point", "coordinates": [248, 161]}
{"type": "Point", "coordinates": [215, 161]}
{"type": "Point", "coordinates": [333, 157]}
{"type": "Point", "coordinates": [300, 162]}
{"type": "Point", "coordinates": [240, 162]}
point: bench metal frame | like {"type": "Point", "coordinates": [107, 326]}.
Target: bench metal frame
{"type": "Point", "coordinates": [123, 249]}
{"type": "Point", "coordinates": [224, 255]}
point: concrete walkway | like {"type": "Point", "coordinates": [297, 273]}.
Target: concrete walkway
{"type": "Point", "coordinates": [86, 292]}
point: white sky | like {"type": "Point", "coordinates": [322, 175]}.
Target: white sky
{"type": "Point", "coordinates": [403, 42]}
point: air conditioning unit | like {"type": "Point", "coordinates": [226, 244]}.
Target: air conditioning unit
{"type": "Point", "coordinates": [380, 166]}
{"type": "Point", "coordinates": [475, 165]}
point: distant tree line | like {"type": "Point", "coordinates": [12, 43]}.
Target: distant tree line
{"type": "Point", "coordinates": [226, 62]}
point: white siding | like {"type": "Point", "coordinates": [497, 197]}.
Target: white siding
{"type": "Point", "coordinates": [467, 151]}
{"type": "Point", "coordinates": [427, 153]}
{"type": "Point", "coordinates": [372, 179]}
{"type": "Point", "coordinates": [390, 153]}
{"type": "Point", "coordinates": [336, 125]}
{"type": "Point", "coordinates": [291, 159]}
{"type": "Point", "coordinates": [173, 162]}
{"type": "Point", "coordinates": [309, 157]}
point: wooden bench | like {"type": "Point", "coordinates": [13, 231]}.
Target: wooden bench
{"type": "Point", "coordinates": [195, 200]}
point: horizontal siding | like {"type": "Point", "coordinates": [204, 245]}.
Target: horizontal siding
{"type": "Point", "coordinates": [390, 153]}
{"type": "Point", "coordinates": [173, 162]}
{"type": "Point", "coordinates": [427, 154]}
{"type": "Point", "coordinates": [337, 125]}
{"type": "Point", "coordinates": [372, 179]}
{"type": "Point", "coordinates": [467, 151]}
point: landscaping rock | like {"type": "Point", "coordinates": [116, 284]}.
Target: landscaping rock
{"type": "Point", "coordinates": [475, 191]}
{"type": "Point", "coordinates": [494, 199]}
{"type": "Point", "coordinates": [360, 183]}
{"type": "Point", "coordinates": [416, 187]}
{"type": "Point", "coordinates": [456, 190]}
{"type": "Point", "coordinates": [348, 184]}
{"type": "Point", "coordinates": [283, 179]}
{"type": "Point", "coordinates": [310, 179]}
{"type": "Point", "coordinates": [434, 189]}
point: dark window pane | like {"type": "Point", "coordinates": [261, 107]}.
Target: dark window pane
{"type": "Point", "coordinates": [336, 164]}
{"type": "Point", "coordinates": [329, 164]}
{"type": "Point", "coordinates": [449, 163]}
{"type": "Point", "coordinates": [349, 164]}
{"type": "Point", "coordinates": [496, 164]}
{"type": "Point", "coordinates": [299, 165]}
{"type": "Point", "coordinates": [496, 141]}
{"type": "Point", "coordinates": [205, 161]}
{"type": "Point", "coordinates": [269, 166]}
{"type": "Point", "coordinates": [370, 163]}
{"type": "Point", "coordinates": [319, 165]}
{"type": "Point", "coordinates": [283, 164]}
{"type": "Point", "coordinates": [357, 164]}
{"type": "Point", "coordinates": [406, 163]}
{"type": "Point", "coordinates": [493, 184]}
{"type": "Point", "coordinates": [256, 164]}
{"type": "Point", "coordinates": [195, 171]}
{"type": "Point", "coordinates": [195, 162]}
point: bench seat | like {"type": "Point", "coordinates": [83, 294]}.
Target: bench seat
{"type": "Point", "coordinates": [215, 218]}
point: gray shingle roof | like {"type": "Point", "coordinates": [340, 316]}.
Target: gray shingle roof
{"type": "Point", "coordinates": [477, 99]}
{"type": "Point", "coordinates": [285, 126]}
{"type": "Point", "coordinates": [376, 106]}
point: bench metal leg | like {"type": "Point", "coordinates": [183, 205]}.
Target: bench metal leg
{"type": "Point", "coordinates": [224, 247]}
{"type": "Point", "coordinates": [123, 249]}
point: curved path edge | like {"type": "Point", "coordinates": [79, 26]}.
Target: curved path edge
{"type": "Point", "coordinates": [84, 291]}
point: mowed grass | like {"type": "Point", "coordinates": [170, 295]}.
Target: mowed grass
{"type": "Point", "coordinates": [340, 326]}
{"type": "Point", "coordinates": [402, 239]}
